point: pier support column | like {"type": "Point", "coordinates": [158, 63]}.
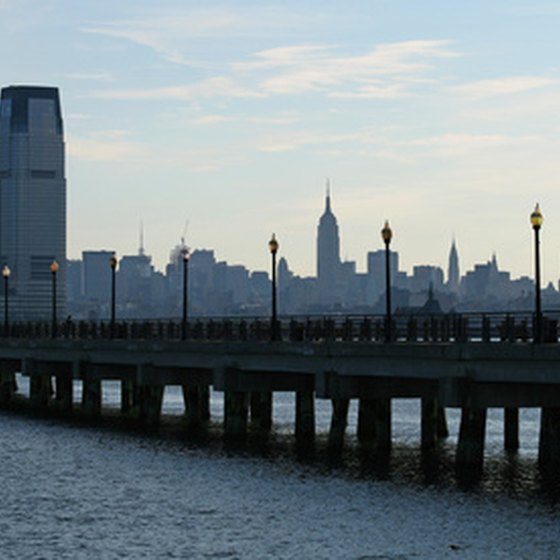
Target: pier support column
{"type": "Point", "coordinates": [429, 423]}
{"type": "Point", "coordinates": [91, 397]}
{"type": "Point", "coordinates": [204, 393]}
{"type": "Point", "coordinates": [366, 421]}
{"type": "Point", "coordinates": [193, 396]}
{"type": "Point", "coordinates": [305, 417]}
{"type": "Point", "coordinates": [339, 419]}
{"type": "Point", "coordinates": [511, 429]}
{"type": "Point", "coordinates": [442, 430]}
{"type": "Point", "coordinates": [549, 442]}
{"type": "Point", "coordinates": [382, 425]}
{"type": "Point", "coordinates": [128, 395]}
{"type": "Point", "coordinates": [470, 448]}
{"type": "Point", "coordinates": [40, 389]}
{"type": "Point", "coordinates": [64, 393]}
{"type": "Point", "coordinates": [236, 405]}
{"type": "Point", "coordinates": [261, 410]}
{"type": "Point", "coordinates": [150, 399]}
{"type": "Point", "coordinates": [7, 387]}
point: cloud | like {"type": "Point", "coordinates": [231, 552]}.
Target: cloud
{"type": "Point", "coordinates": [453, 143]}
{"type": "Point", "coordinates": [108, 146]}
{"type": "Point", "coordinates": [171, 34]}
{"type": "Point", "coordinates": [302, 68]}
{"type": "Point", "coordinates": [219, 86]}
{"type": "Point", "coordinates": [294, 140]}
{"type": "Point", "coordinates": [211, 119]}
{"type": "Point", "coordinates": [386, 71]}
{"type": "Point", "coordinates": [91, 76]}
{"type": "Point", "coordinates": [502, 86]}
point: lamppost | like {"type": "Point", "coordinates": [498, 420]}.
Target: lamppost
{"type": "Point", "coordinates": [273, 248]}
{"type": "Point", "coordinates": [54, 270]}
{"type": "Point", "coordinates": [186, 256]}
{"type": "Point", "coordinates": [6, 274]}
{"type": "Point", "coordinates": [536, 222]}
{"type": "Point", "coordinates": [113, 265]}
{"type": "Point", "coordinates": [387, 235]}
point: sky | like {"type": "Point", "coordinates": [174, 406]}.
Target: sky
{"type": "Point", "coordinates": [222, 121]}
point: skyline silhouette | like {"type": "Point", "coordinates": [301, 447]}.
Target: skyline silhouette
{"type": "Point", "coordinates": [231, 116]}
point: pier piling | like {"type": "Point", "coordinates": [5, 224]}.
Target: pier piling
{"type": "Point", "coordinates": [305, 417]}
{"type": "Point", "coordinates": [511, 429]}
{"type": "Point", "coordinates": [261, 410]}
{"type": "Point", "coordinates": [470, 448]}
{"type": "Point", "coordinates": [366, 421]}
{"type": "Point", "coordinates": [429, 423]}
{"type": "Point", "coordinates": [382, 426]}
{"type": "Point", "coordinates": [91, 397]}
{"type": "Point", "coordinates": [339, 420]}
{"type": "Point", "coordinates": [236, 405]}
{"type": "Point", "coordinates": [549, 442]}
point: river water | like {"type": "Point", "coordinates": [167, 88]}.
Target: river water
{"type": "Point", "coordinates": [84, 492]}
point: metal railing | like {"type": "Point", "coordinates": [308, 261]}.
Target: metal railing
{"type": "Point", "coordinates": [454, 327]}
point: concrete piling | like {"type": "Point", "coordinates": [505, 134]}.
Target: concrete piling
{"type": "Point", "coordinates": [40, 389]}
{"type": "Point", "coordinates": [193, 396]}
{"type": "Point", "coordinates": [64, 392]}
{"type": "Point", "coordinates": [442, 429]}
{"type": "Point", "coordinates": [382, 410]}
{"type": "Point", "coordinates": [429, 423]}
{"type": "Point", "coordinates": [511, 429]}
{"type": "Point", "coordinates": [236, 405]}
{"type": "Point", "coordinates": [305, 417]}
{"type": "Point", "coordinates": [91, 397]}
{"type": "Point", "coordinates": [339, 420]}
{"type": "Point", "coordinates": [128, 395]}
{"type": "Point", "coordinates": [150, 399]}
{"type": "Point", "coordinates": [549, 441]}
{"type": "Point", "coordinates": [7, 387]}
{"type": "Point", "coordinates": [261, 410]}
{"type": "Point", "coordinates": [470, 448]}
{"type": "Point", "coordinates": [366, 421]}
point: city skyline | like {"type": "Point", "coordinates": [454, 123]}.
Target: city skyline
{"type": "Point", "coordinates": [441, 119]}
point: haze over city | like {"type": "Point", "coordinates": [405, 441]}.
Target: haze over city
{"type": "Point", "coordinates": [441, 117]}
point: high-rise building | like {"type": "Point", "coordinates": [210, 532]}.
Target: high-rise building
{"type": "Point", "coordinates": [453, 277]}
{"type": "Point", "coordinates": [328, 254]}
{"type": "Point", "coordinates": [97, 275]}
{"type": "Point", "coordinates": [32, 198]}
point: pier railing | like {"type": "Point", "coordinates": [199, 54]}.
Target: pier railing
{"type": "Point", "coordinates": [454, 327]}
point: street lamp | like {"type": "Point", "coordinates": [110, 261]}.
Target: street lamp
{"type": "Point", "coordinates": [54, 270]}
{"type": "Point", "coordinates": [387, 235]}
{"type": "Point", "coordinates": [536, 221]}
{"type": "Point", "coordinates": [186, 257]}
{"type": "Point", "coordinates": [113, 265]}
{"type": "Point", "coordinates": [273, 248]}
{"type": "Point", "coordinates": [6, 274]}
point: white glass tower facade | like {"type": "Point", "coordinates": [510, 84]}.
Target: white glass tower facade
{"type": "Point", "coordinates": [32, 199]}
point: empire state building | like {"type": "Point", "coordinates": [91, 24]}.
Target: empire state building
{"type": "Point", "coordinates": [328, 254]}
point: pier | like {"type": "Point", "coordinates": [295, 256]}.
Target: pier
{"type": "Point", "coordinates": [471, 363]}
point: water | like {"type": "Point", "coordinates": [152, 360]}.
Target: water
{"type": "Point", "coordinates": [82, 492]}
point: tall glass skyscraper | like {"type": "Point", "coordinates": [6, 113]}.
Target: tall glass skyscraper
{"type": "Point", "coordinates": [32, 199]}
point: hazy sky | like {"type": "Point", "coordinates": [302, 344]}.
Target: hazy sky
{"type": "Point", "coordinates": [442, 116]}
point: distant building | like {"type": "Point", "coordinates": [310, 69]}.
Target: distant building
{"type": "Point", "coordinates": [32, 198]}
{"type": "Point", "coordinates": [97, 275]}
{"type": "Point", "coordinates": [453, 276]}
{"type": "Point", "coordinates": [328, 256]}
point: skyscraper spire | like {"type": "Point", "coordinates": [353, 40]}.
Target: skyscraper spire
{"type": "Point", "coordinates": [328, 197]}
{"type": "Point", "coordinates": [453, 269]}
{"type": "Point", "coordinates": [141, 251]}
